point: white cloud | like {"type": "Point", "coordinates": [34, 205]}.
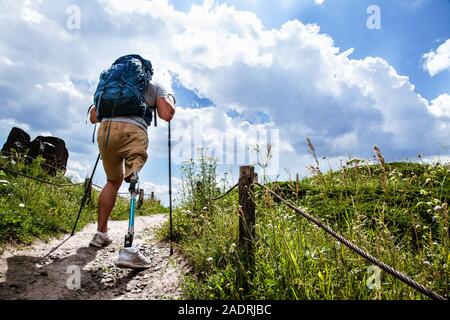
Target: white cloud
{"type": "Point", "coordinates": [440, 106]}
{"type": "Point", "coordinates": [8, 62]}
{"type": "Point", "coordinates": [319, 2]}
{"type": "Point", "coordinates": [295, 75]}
{"type": "Point", "coordinates": [74, 175]}
{"type": "Point", "coordinates": [31, 16]}
{"type": "Point", "coordinates": [7, 124]}
{"type": "Point", "coordinates": [439, 60]}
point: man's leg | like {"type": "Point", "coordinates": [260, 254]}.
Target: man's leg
{"type": "Point", "coordinates": [106, 202]}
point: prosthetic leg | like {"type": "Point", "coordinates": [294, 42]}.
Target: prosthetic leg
{"type": "Point", "coordinates": [129, 256]}
{"type": "Point", "coordinates": [133, 193]}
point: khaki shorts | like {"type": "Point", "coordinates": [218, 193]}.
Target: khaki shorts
{"type": "Point", "coordinates": [127, 145]}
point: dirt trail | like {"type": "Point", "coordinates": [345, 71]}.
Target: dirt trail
{"type": "Point", "coordinates": [33, 273]}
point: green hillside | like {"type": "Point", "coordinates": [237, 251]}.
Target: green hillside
{"type": "Point", "coordinates": [398, 212]}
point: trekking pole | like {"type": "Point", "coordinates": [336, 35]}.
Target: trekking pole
{"type": "Point", "coordinates": [170, 192]}
{"type": "Point", "coordinates": [83, 201]}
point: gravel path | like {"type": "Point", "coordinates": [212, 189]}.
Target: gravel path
{"type": "Point", "coordinates": [50, 270]}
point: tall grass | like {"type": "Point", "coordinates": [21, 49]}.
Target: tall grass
{"type": "Point", "coordinates": [398, 212]}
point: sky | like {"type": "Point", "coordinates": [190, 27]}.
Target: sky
{"type": "Point", "coordinates": [348, 74]}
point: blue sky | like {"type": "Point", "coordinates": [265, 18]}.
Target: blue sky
{"type": "Point", "coordinates": [241, 70]}
{"type": "Point", "coordinates": [409, 29]}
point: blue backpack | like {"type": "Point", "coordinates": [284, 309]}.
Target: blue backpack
{"type": "Point", "coordinates": [120, 91]}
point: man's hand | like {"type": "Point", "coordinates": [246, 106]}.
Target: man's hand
{"type": "Point", "coordinates": [166, 107]}
{"type": "Point", "coordinates": [93, 115]}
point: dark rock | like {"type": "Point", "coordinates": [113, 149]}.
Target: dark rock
{"type": "Point", "coordinates": [18, 140]}
{"type": "Point", "coordinates": [53, 150]}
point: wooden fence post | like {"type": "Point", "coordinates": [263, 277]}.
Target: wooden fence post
{"type": "Point", "coordinates": [141, 198]}
{"type": "Point", "coordinates": [247, 219]}
{"type": "Point", "coordinates": [88, 189]}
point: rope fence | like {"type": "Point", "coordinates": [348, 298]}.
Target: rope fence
{"type": "Point", "coordinates": [248, 179]}
{"type": "Point", "coordinates": [61, 185]}
{"type": "Point", "coordinates": [225, 193]}
{"type": "Point", "coordinates": [7, 154]}
{"type": "Point", "coordinates": [40, 180]}
{"type": "Point", "coordinates": [397, 274]}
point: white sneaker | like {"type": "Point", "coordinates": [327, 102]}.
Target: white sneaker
{"type": "Point", "coordinates": [132, 258]}
{"type": "Point", "coordinates": [100, 241]}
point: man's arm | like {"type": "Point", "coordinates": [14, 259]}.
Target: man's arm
{"type": "Point", "coordinates": [93, 115]}
{"type": "Point", "coordinates": [165, 107]}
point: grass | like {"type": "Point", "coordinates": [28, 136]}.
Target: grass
{"type": "Point", "coordinates": [398, 212]}
{"type": "Point", "coordinates": [30, 209]}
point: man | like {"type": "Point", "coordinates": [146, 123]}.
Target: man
{"type": "Point", "coordinates": [123, 142]}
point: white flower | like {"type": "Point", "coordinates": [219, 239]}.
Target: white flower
{"type": "Point", "coordinates": [210, 259]}
{"type": "Point", "coordinates": [21, 205]}
{"type": "Point", "coordinates": [437, 208]}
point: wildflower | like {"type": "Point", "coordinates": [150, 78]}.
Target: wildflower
{"type": "Point", "coordinates": [21, 205]}
{"type": "Point", "coordinates": [434, 218]}
{"type": "Point", "coordinates": [209, 259]}
{"type": "Point", "coordinates": [438, 208]}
